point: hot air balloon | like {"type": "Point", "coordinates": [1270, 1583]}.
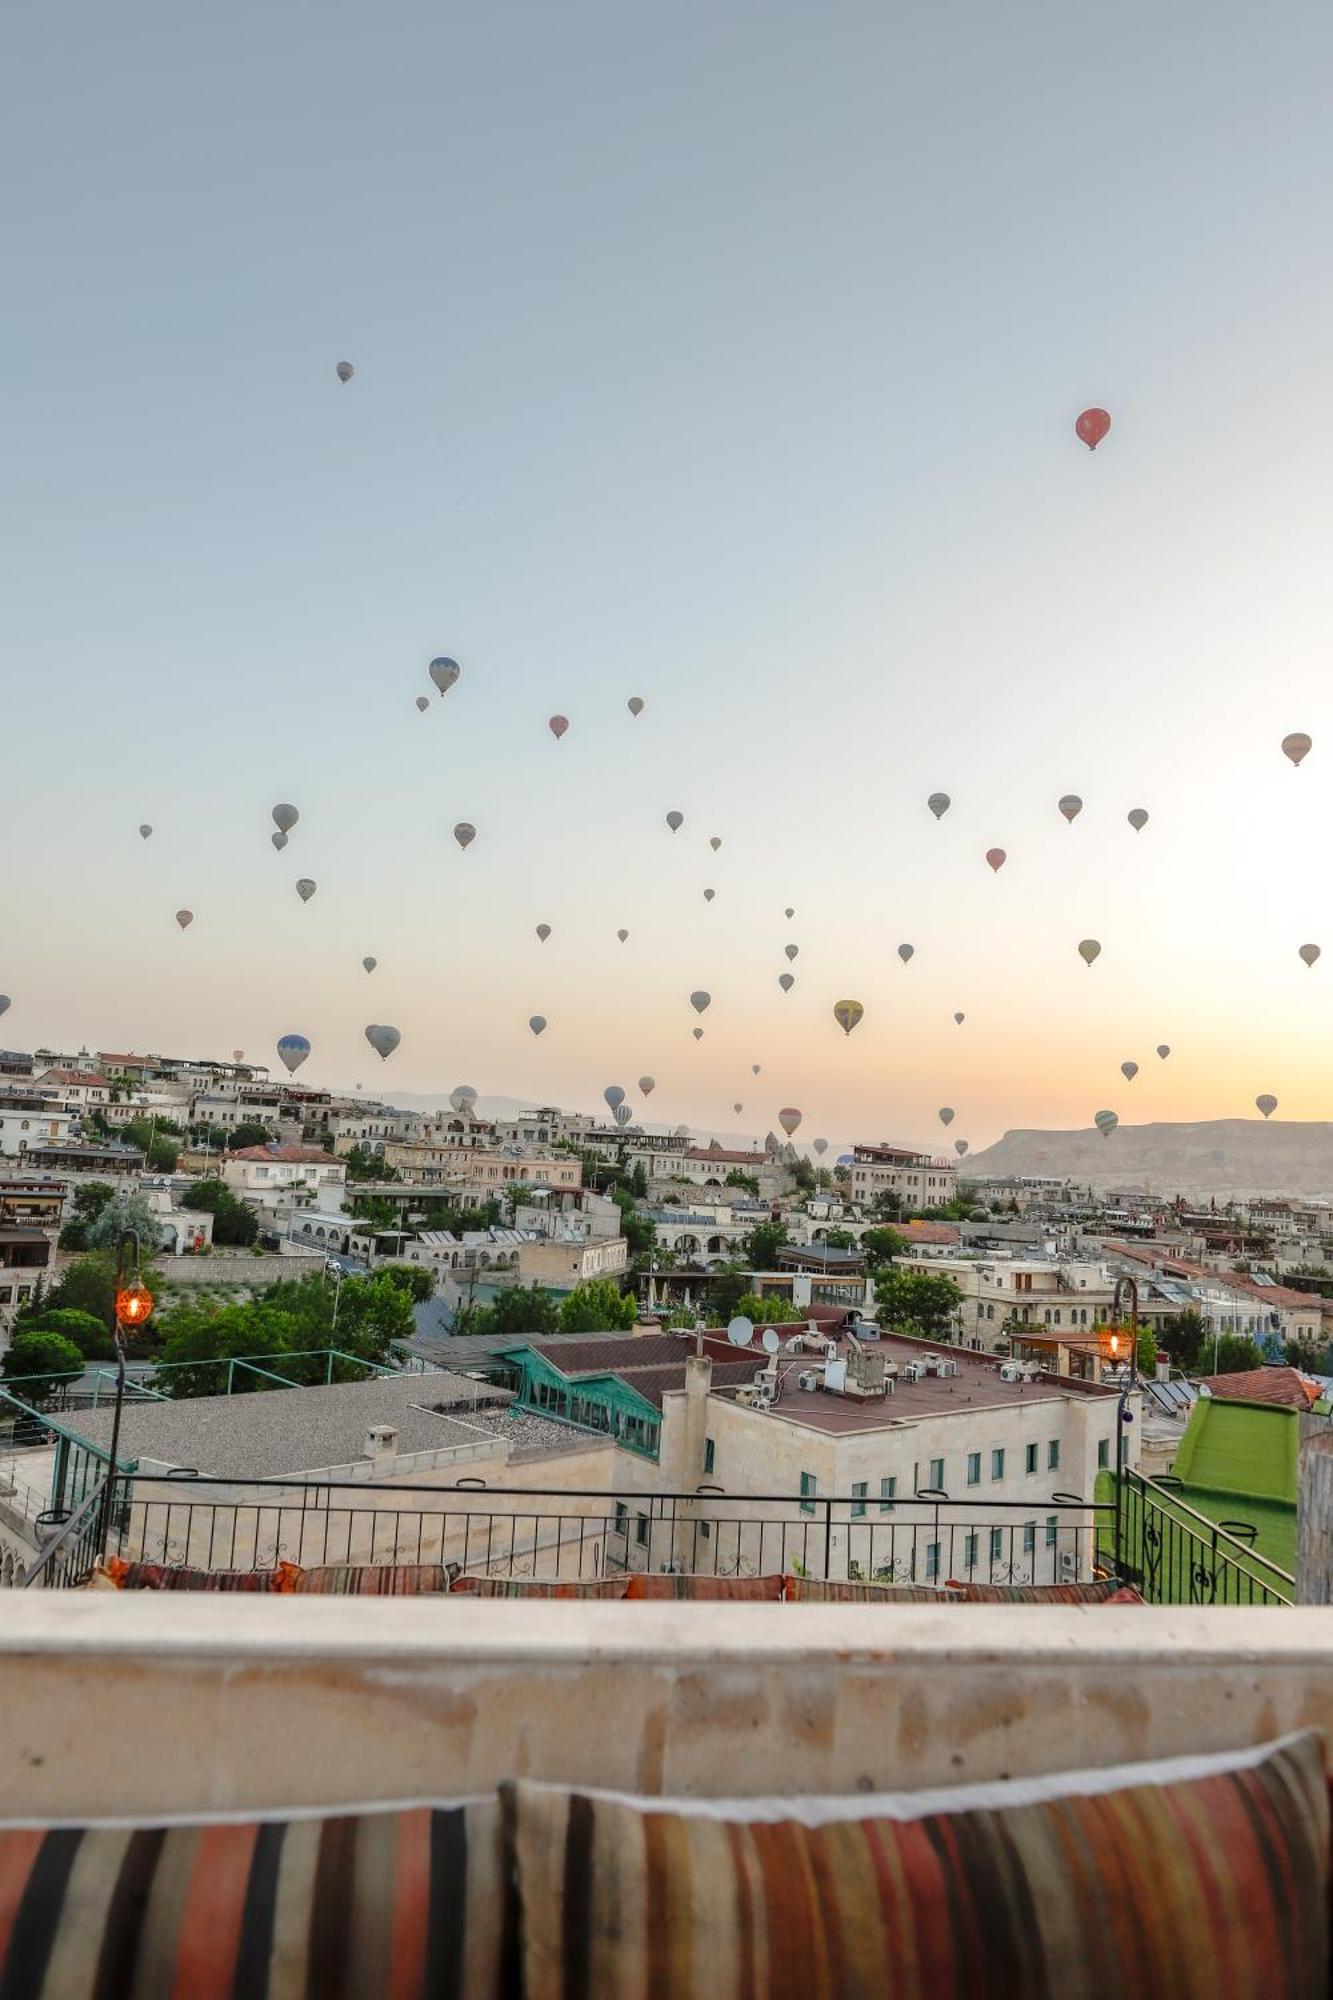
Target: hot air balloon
{"type": "Point", "coordinates": [647, 1084]}
{"type": "Point", "coordinates": [789, 914]}
{"type": "Point", "coordinates": [786, 981]}
{"type": "Point", "coordinates": [1296, 746]}
{"type": "Point", "coordinates": [185, 918]}
{"type": "Point", "coordinates": [1071, 805]}
{"type": "Point", "coordinates": [698, 1034]}
{"type": "Point", "coordinates": [1164, 1050]}
{"type": "Point", "coordinates": [1088, 951]}
{"type": "Point", "coordinates": [1309, 952]}
{"type": "Point", "coordinates": [285, 818]}
{"type": "Point", "coordinates": [557, 725]}
{"type": "Point", "coordinates": [715, 841]}
{"type": "Point", "coordinates": [960, 1147]}
{"type": "Point", "coordinates": [462, 1097]}
{"type": "Point", "coordinates": [738, 1107]}
{"type": "Point", "coordinates": [537, 1023]}
{"type": "Point", "coordinates": [344, 371]}
{"type": "Point", "coordinates": [1129, 1070]}
{"type": "Point", "coordinates": [613, 1095]}
{"type": "Point", "coordinates": [279, 840]}
{"type": "Point", "coordinates": [1106, 1122]}
{"type": "Point", "coordinates": [238, 1055]}
{"type": "Point", "coordinates": [1267, 1105]}
{"type": "Point", "coordinates": [5, 1003]}
{"type": "Point", "coordinates": [939, 803]}
{"type": "Point", "coordinates": [847, 1013]}
{"type": "Point", "coordinates": [906, 953]}
{"type": "Point", "coordinates": [700, 1002]}
{"type": "Point", "coordinates": [1092, 427]}
{"type": "Point", "coordinates": [791, 952]}
{"type": "Point", "coordinates": [292, 1052]}
{"type": "Point", "coordinates": [996, 858]}
{"type": "Point", "coordinates": [465, 833]}
{"type": "Point", "coordinates": [305, 888]}
{"type": "Point", "coordinates": [635, 704]}
{"type": "Point", "coordinates": [423, 702]}
{"type": "Point", "coordinates": [709, 895]}
{"type": "Point", "coordinates": [1138, 819]}
{"type": "Point", "coordinates": [959, 1020]}
{"type": "Point", "coordinates": [383, 1040]}
{"type": "Point", "coordinates": [623, 1113]}
{"type": "Point", "coordinates": [622, 935]}
{"type": "Point", "coordinates": [444, 673]}
{"type": "Point", "coordinates": [144, 831]}
{"type": "Point", "coordinates": [675, 820]}
{"type": "Point", "coordinates": [821, 1147]}
{"type": "Point", "coordinates": [370, 963]}
{"type": "Point", "coordinates": [543, 932]}
{"type": "Point", "coordinates": [754, 1069]}
{"type": "Point", "coordinates": [946, 1116]}
{"type": "Point", "coordinates": [789, 1118]}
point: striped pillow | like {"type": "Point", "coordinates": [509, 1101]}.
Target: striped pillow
{"type": "Point", "coordinates": [707, 1589]}
{"type": "Point", "coordinates": [1202, 1879]}
{"type": "Point", "coordinates": [1100, 1590]}
{"type": "Point", "coordinates": [372, 1580]}
{"type": "Point", "coordinates": [527, 1586]}
{"type": "Point", "coordinates": [821, 1590]}
{"type": "Point", "coordinates": [398, 1901]}
{"type": "Point", "coordinates": [172, 1576]}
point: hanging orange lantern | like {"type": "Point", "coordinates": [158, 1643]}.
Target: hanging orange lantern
{"type": "Point", "coordinates": [1115, 1343]}
{"type": "Point", "coordinates": [134, 1305]}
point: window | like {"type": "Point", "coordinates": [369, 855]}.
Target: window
{"type": "Point", "coordinates": [932, 1562]}
{"type": "Point", "coordinates": [860, 1488]}
{"type": "Point", "coordinates": [1029, 1537]}
{"type": "Point", "coordinates": [888, 1493]}
{"type": "Point", "coordinates": [809, 1485]}
{"type": "Point", "coordinates": [705, 1531]}
{"type": "Point", "coordinates": [996, 1544]}
{"type": "Point", "coordinates": [622, 1517]}
{"type": "Point", "coordinates": [969, 1551]}
{"type": "Point", "coordinates": [937, 1472]}
{"type": "Point", "coordinates": [641, 1530]}
{"type": "Point", "coordinates": [974, 1468]}
{"type": "Point", "coordinates": [1030, 1462]}
{"type": "Point", "coordinates": [1103, 1453]}
{"type": "Point", "coordinates": [1052, 1523]}
{"type": "Point", "coordinates": [1053, 1455]}
{"type": "Point", "coordinates": [710, 1454]}
{"type": "Point", "coordinates": [997, 1463]}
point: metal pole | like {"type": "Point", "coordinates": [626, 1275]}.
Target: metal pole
{"type": "Point", "coordinates": [1122, 1416]}
{"type": "Point", "coordinates": [127, 1236]}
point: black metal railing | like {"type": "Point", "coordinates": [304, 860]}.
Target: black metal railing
{"type": "Point", "coordinates": [69, 1550]}
{"type": "Point", "coordinates": [1173, 1554]}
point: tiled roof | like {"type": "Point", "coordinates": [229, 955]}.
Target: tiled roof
{"type": "Point", "coordinates": [290, 1156]}
{"type": "Point", "coordinates": [1286, 1387]}
{"type": "Point", "coordinates": [927, 1232]}
{"type": "Point", "coordinates": [79, 1076]}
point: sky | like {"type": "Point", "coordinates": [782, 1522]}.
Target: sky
{"type": "Point", "coordinates": [727, 355]}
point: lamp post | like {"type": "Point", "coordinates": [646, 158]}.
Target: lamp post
{"type": "Point", "coordinates": [1114, 1347]}
{"type": "Point", "coordinates": [132, 1305]}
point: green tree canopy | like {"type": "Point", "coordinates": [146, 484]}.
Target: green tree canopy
{"type": "Point", "coordinates": [1183, 1338]}
{"type": "Point", "coordinates": [762, 1244]}
{"type": "Point", "coordinates": [128, 1209]}
{"type": "Point", "coordinates": [1235, 1352]}
{"type": "Point", "coordinates": [725, 1293]}
{"type": "Point", "coordinates": [919, 1302]}
{"type": "Point", "coordinates": [234, 1221]}
{"type": "Point", "coordinates": [414, 1279]}
{"type": "Point", "coordinates": [365, 1165]}
{"type": "Point", "coordinates": [738, 1178]}
{"type": "Point", "coordinates": [599, 1306]}
{"type": "Point", "coordinates": [523, 1309]}
{"type": "Point", "coordinates": [770, 1310]}
{"type": "Point", "coordinates": [91, 1336]}
{"type": "Point", "coordinates": [882, 1245]}
{"type": "Point", "coordinates": [35, 1362]}
{"type": "Point", "coordinates": [88, 1285]}
{"type": "Point", "coordinates": [250, 1132]}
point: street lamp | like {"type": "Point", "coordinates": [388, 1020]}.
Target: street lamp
{"type": "Point", "coordinates": [1114, 1346]}
{"type": "Point", "coordinates": [131, 1306]}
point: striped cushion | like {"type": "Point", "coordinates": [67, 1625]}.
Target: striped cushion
{"type": "Point", "coordinates": [1101, 1590]}
{"type": "Point", "coordinates": [389, 1903]}
{"type": "Point", "coordinates": [1202, 1880]}
{"type": "Point", "coordinates": [171, 1576]}
{"type": "Point", "coordinates": [527, 1586]}
{"type": "Point", "coordinates": [822, 1590]}
{"type": "Point", "coordinates": [372, 1580]}
{"type": "Point", "coordinates": [707, 1589]}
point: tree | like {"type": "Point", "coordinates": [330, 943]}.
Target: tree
{"type": "Point", "coordinates": [771, 1310]}
{"type": "Point", "coordinates": [523, 1309]}
{"type": "Point", "coordinates": [90, 1335]}
{"type": "Point", "coordinates": [921, 1302]}
{"type": "Point", "coordinates": [363, 1165]}
{"type": "Point", "coordinates": [803, 1174]}
{"type": "Point", "coordinates": [413, 1279]}
{"type": "Point", "coordinates": [839, 1239]}
{"type": "Point", "coordinates": [88, 1285]}
{"type": "Point", "coordinates": [376, 1212]}
{"type": "Point", "coordinates": [1308, 1355]}
{"type": "Point", "coordinates": [248, 1133]}
{"type": "Point", "coordinates": [234, 1221]}
{"type": "Point", "coordinates": [881, 1246]}
{"type": "Point", "coordinates": [91, 1199]}
{"type": "Point", "coordinates": [374, 1315]}
{"type": "Point", "coordinates": [1146, 1355]}
{"type": "Point", "coordinates": [726, 1292]}
{"type": "Point", "coordinates": [200, 1338]}
{"type": "Point", "coordinates": [739, 1179]}
{"type": "Point", "coordinates": [1235, 1352]}
{"type": "Point", "coordinates": [762, 1244]}
{"type": "Point", "coordinates": [1183, 1337]}
{"type": "Point", "coordinates": [35, 1363]}
{"type": "Point", "coordinates": [131, 1210]}
{"type": "Point", "coordinates": [887, 1206]}
{"type": "Point", "coordinates": [638, 1181]}
{"type": "Point", "coordinates": [598, 1306]}
{"type": "Point", "coordinates": [639, 1231]}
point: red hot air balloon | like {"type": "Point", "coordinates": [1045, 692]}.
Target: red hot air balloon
{"type": "Point", "coordinates": [557, 725]}
{"type": "Point", "coordinates": [1092, 427]}
{"type": "Point", "coordinates": [997, 857]}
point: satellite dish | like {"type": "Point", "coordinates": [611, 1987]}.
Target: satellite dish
{"type": "Point", "coordinates": [771, 1341]}
{"type": "Point", "coordinates": [795, 1343]}
{"type": "Point", "coordinates": [740, 1331]}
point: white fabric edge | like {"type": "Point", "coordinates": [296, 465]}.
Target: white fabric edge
{"type": "Point", "coordinates": [820, 1810]}
{"type": "Point", "coordinates": [265, 1815]}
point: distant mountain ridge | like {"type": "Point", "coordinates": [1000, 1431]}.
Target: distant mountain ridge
{"type": "Point", "coordinates": [1222, 1156]}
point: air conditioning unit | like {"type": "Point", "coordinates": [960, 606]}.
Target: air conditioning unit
{"type": "Point", "coordinates": [1011, 1371]}
{"type": "Point", "coordinates": [946, 1366]}
{"type": "Point", "coordinates": [830, 1350]}
{"type": "Point", "coordinates": [1069, 1565]}
{"type": "Point", "coordinates": [913, 1371]}
{"type": "Point", "coordinates": [809, 1379]}
{"type": "Point", "coordinates": [767, 1378]}
{"type": "Point", "coordinates": [890, 1385]}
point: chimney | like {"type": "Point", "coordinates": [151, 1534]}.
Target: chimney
{"type": "Point", "coordinates": [1164, 1367]}
{"type": "Point", "coordinates": [381, 1446]}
